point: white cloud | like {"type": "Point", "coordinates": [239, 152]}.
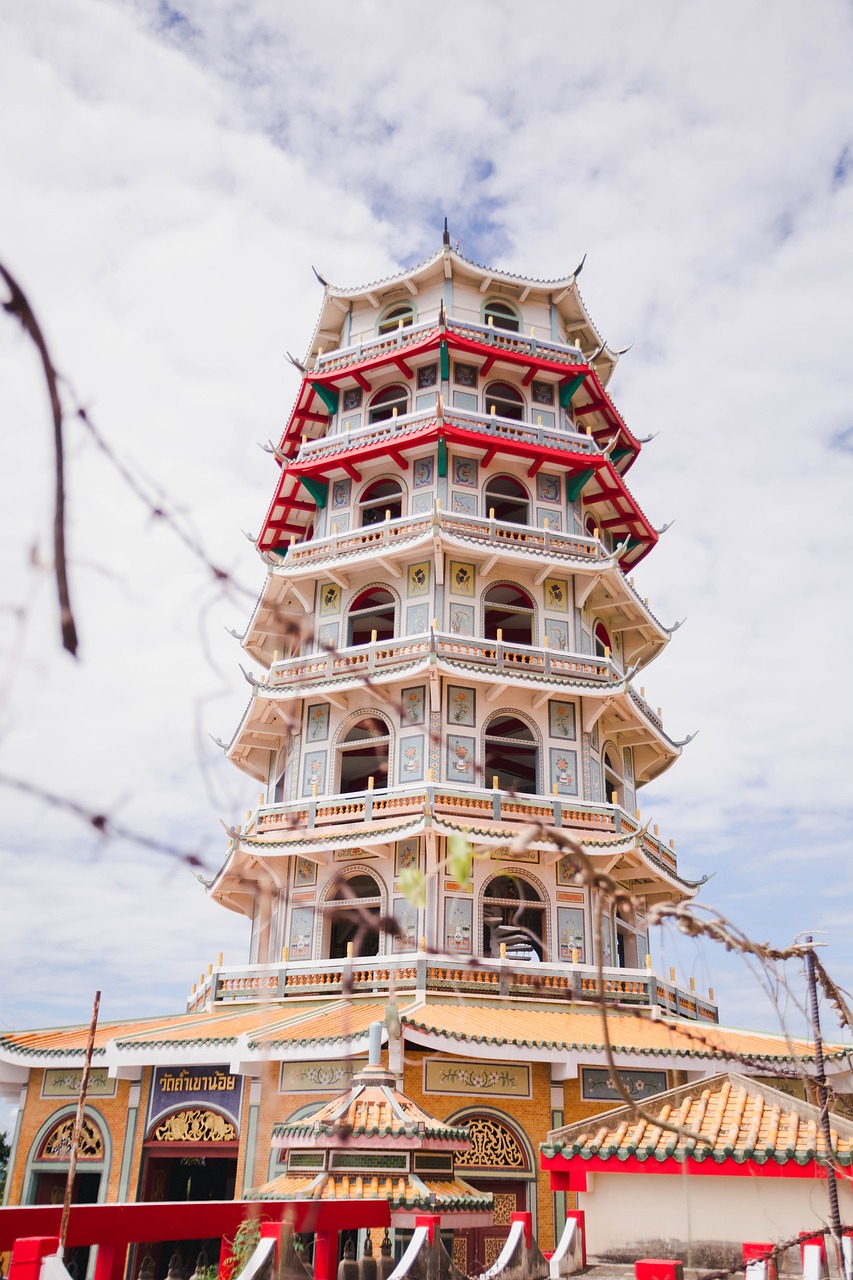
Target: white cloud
{"type": "Point", "coordinates": [166, 188]}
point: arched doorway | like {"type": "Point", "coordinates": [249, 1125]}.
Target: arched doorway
{"type": "Point", "coordinates": [513, 912]}
{"type": "Point", "coordinates": [49, 1172]}
{"type": "Point", "coordinates": [499, 1162]}
{"type": "Point", "coordinates": [353, 911]}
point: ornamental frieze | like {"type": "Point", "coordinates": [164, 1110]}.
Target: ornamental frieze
{"type": "Point", "coordinates": [195, 1126]}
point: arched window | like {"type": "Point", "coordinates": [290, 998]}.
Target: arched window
{"type": "Point", "coordinates": [511, 755]}
{"type": "Point", "coordinates": [400, 316]}
{"type": "Point", "coordinates": [353, 912]}
{"type": "Point", "coordinates": [514, 913]}
{"type": "Point", "coordinates": [614, 780]}
{"type": "Point", "coordinates": [372, 610]}
{"type": "Point", "coordinates": [380, 499]}
{"type": "Point", "coordinates": [509, 610]}
{"type": "Point", "coordinates": [385, 402]}
{"type": "Point", "coordinates": [504, 401]}
{"type": "Point", "coordinates": [603, 643]}
{"type": "Point", "coordinates": [501, 315]}
{"type": "Point", "coordinates": [363, 755]}
{"type": "Point", "coordinates": [508, 499]}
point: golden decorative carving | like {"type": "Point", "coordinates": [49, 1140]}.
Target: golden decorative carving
{"type": "Point", "coordinates": [492, 1146]}
{"type": "Point", "coordinates": [60, 1140]}
{"type": "Point", "coordinates": [460, 1253]}
{"type": "Point", "coordinates": [493, 1244]}
{"type": "Point", "coordinates": [196, 1125]}
{"type": "Point", "coordinates": [504, 1208]}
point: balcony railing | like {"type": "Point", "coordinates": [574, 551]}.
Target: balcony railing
{"type": "Point", "coordinates": [394, 431]}
{"type": "Point", "coordinates": [491, 534]}
{"type": "Point", "coordinates": [493, 657]}
{"type": "Point", "coordinates": [369, 347]}
{"type": "Point", "coordinates": [417, 973]}
{"type": "Point", "coordinates": [456, 803]}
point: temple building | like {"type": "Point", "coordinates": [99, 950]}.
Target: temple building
{"type": "Point", "coordinates": [448, 654]}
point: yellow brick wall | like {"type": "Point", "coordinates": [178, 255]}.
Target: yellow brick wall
{"type": "Point", "coordinates": [111, 1112]}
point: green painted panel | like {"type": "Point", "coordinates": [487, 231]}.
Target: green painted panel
{"type": "Point", "coordinates": [444, 360]}
{"type": "Point", "coordinates": [442, 456]}
{"type": "Point", "coordinates": [568, 389]}
{"type": "Point", "coordinates": [576, 483]}
{"type": "Point", "coordinates": [319, 489]}
{"type": "Point", "coordinates": [328, 395]}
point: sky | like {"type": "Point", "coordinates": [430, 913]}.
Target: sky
{"type": "Point", "coordinates": [170, 173]}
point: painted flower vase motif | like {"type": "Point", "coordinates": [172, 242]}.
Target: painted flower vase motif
{"type": "Point", "coordinates": [411, 760]}
{"type": "Point", "coordinates": [564, 776]}
{"type": "Point", "coordinates": [462, 758]}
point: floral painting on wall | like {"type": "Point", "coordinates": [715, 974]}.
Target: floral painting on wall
{"type": "Point", "coordinates": [564, 771]}
{"type": "Point", "coordinates": [460, 758]}
{"type": "Point", "coordinates": [411, 759]}
{"type": "Point", "coordinates": [317, 722]}
{"type": "Point", "coordinates": [458, 915]}
{"type": "Point", "coordinates": [413, 703]}
{"type": "Point", "coordinates": [570, 932]}
{"type": "Point", "coordinates": [462, 620]}
{"type": "Point", "coordinates": [417, 619]}
{"type": "Point", "coordinates": [421, 504]}
{"type": "Point", "coordinates": [561, 719]}
{"type": "Point", "coordinates": [465, 472]}
{"type": "Point", "coordinates": [341, 491]}
{"type": "Point", "coordinates": [406, 917]}
{"type": "Point", "coordinates": [464, 504]}
{"type": "Point", "coordinates": [462, 578]}
{"type": "Point", "coordinates": [407, 855]}
{"type": "Point", "coordinates": [304, 873]}
{"type": "Point", "coordinates": [557, 594]}
{"type": "Point", "coordinates": [330, 598]}
{"type": "Point", "coordinates": [314, 772]}
{"type": "Point", "coordinates": [558, 634]}
{"type": "Point", "coordinates": [418, 578]}
{"type": "Point", "coordinates": [327, 636]}
{"type": "Point", "coordinates": [547, 487]}
{"type": "Point", "coordinates": [461, 705]}
{"type": "Point", "coordinates": [422, 472]}
{"type": "Point", "coordinates": [301, 929]}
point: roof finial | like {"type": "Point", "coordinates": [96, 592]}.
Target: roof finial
{"type": "Point", "coordinates": [445, 239]}
{"type": "Point", "coordinates": [323, 282]}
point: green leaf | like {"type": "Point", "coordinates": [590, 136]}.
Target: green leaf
{"type": "Point", "coordinates": [413, 887]}
{"type": "Point", "coordinates": [459, 859]}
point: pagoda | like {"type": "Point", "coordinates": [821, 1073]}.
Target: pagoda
{"type": "Point", "coordinates": [446, 668]}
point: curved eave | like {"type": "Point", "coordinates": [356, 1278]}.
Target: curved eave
{"type": "Point", "coordinates": [447, 263]}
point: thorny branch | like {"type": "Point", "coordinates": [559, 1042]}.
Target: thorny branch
{"type": "Point", "coordinates": [18, 306]}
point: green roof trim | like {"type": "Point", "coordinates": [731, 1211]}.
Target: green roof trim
{"type": "Point", "coordinates": [568, 389]}
{"type": "Point", "coordinates": [318, 489]}
{"type": "Point", "coordinates": [328, 395]}
{"type": "Point", "coordinates": [576, 483]}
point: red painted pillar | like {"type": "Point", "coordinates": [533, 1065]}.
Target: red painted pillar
{"type": "Point", "coordinates": [326, 1255]}
{"type": "Point", "coordinates": [527, 1219]}
{"type": "Point", "coordinates": [579, 1216]}
{"type": "Point", "coordinates": [432, 1222]}
{"type": "Point", "coordinates": [110, 1261]}
{"type": "Point", "coordinates": [27, 1254]}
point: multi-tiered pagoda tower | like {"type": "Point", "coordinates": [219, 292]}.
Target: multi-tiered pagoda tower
{"type": "Point", "coordinates": [448, 647]}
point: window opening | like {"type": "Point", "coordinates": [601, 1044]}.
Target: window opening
{"type": "Point", "coordinates": [379, 498]}
{"type": "Point", "coordinates": [353, 916]}
{"type": "Point", "coordinates": [502, 316]}
{"type": "Point", "coordinates": [400, 317]}
{"type": "Point", "coordinates": [603, 644]}
{"type": "Point", "coordinates": [508, 499]}
{"type": "Point", "coordinates": [513, 912]}
{"type": "Point", "coordinates": [364, 755]}
{"type": "Point", "coordinates": [371, 611]}
{"type": "Point", "coordinates": [505, 401]}
{"type": "Point", "coordinates": [509, 610]}
{"type": "Point", "coordinates": [384, 403]}
{"type": "Point", "coordinates": [511, 755]}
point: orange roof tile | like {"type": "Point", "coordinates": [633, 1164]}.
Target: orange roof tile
{"type": "Point", "coordinates": [737, 1118]}
{"type": "Point", "coordinates": [629, 1032]}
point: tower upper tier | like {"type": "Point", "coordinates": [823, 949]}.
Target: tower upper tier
{"type": "Point", "coordinates": [511, 367]}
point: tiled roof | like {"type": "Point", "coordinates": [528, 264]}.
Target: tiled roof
{"type": "Point", "coordinates": [339, 1021]}
{"type": "Point", "coordinates": [409, 1192]}
{"type": "Point", "coordinates": [738, 1119]}
{"type": "Point", "coordinates": [636, 1033]}
{"type": "Point", "coordinates": [371, 1108]}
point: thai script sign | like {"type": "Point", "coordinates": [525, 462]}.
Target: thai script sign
{"type": "Point", "coordinates": [177, 1086]}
